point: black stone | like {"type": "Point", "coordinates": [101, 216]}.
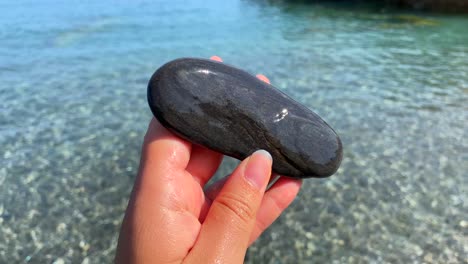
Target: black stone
{"type": "Point", "coordinates": [230, 111]}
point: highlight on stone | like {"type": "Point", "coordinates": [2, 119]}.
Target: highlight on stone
{"type": "Point", "coordinates": [231, 111]}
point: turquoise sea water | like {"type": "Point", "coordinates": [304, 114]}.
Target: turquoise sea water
{"type": "Point", "coordinates": [393, 84]}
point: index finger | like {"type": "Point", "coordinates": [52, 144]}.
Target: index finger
{"type": "Point", "coordinates": [163, 150]}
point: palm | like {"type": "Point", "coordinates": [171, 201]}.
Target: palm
{"type": "Point", "coordinates": [175, 172]}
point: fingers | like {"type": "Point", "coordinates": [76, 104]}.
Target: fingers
{"type": "Point", "coordinates": [210, 194]}
{"type": "Point", "coordinates": [213, 190]}
{"type": "Point", "coordinates": [203, 163]}
{"type": "Point", "coordinates": [164, 151]}
{"type": "Point", "coordinates": [216, 58]}
{"type": "Point", "coordinates": [231, 218]}
{"type": "Point", "coordinates": [164, 159]}
{"type": "Point", "coordinates": [259, 76]}
{"type": "Point", "coordinates": [276, 199]}
{"type": "Point", "coordinates": [156, 209]}
{"type": "Point", "coordinates": [263, 78]}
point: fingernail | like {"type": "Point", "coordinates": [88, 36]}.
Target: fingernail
{"type": "Point", "coordinates": [258, 168]}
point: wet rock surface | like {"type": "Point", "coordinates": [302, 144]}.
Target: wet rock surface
{"type": "Point", "coordinates": [229, 110]}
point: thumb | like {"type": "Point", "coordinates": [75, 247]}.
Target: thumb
{"type": "Point", "coordinates": [224, 236]}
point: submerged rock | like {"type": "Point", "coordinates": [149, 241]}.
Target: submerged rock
{"type": "Point", "coordinates": [230, 111]}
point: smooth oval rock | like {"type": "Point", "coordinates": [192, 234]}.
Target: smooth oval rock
{"type": "Point", "coordinates": [231, 111]}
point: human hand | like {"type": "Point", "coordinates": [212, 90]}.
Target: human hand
{"type": "Point", "coordinates": [171, 218]}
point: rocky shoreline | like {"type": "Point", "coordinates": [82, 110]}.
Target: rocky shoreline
{"type": "Point", "coordinates": [433, 5]}
{"type": "Point", "coordinates": [446, 6]}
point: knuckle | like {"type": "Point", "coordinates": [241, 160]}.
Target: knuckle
{"type": "Point", "coordinates": [236, 206]}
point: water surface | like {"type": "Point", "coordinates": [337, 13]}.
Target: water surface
{"type": "Point", "coordinates": [394, 85]}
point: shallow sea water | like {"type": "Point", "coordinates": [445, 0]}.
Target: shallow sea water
{"type": "Point", "coordinates": [394, 85]}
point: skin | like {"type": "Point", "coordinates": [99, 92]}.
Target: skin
{"type": "Point", "coordinates": [172, 217]}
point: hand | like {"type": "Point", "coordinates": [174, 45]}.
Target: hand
{"type": "Point", "coordinates": [170, 218]}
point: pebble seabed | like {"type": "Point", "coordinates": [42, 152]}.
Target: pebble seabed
{"type": "Point", "coordinates": [395, 92]}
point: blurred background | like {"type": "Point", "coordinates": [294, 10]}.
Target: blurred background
{"type": "Point", "coordinates": [392, 82]}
